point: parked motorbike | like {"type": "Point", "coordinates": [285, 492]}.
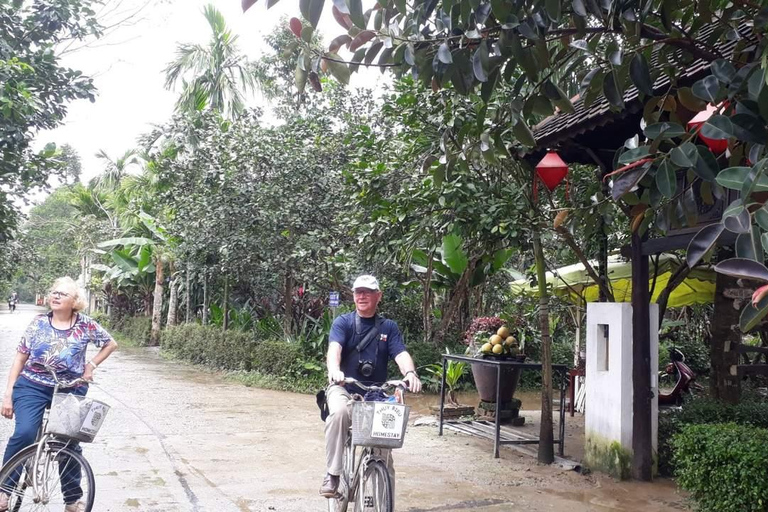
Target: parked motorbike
{"type": "Point", "coordinates": [685, 379]}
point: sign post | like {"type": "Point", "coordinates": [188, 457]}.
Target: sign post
{"type": "Point", "coordinates": [333, 301]}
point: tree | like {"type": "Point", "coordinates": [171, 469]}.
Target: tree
{"type": "Point", "coordinates": [36, 89]}
{"type": "Point", "coordinates": [216, 75]}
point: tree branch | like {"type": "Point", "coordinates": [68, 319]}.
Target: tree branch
{"type": "Point", "coordinates": [568, 238]}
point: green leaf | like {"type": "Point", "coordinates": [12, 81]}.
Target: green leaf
{"type": "Point", "coordinates": [741, 268]}
{"type": "Point", "coordinates": [133, 240]}
{"type": "Point", "coordinates": [739, 222]}
{"type": "Point", "coordinates": [501, 10]}
{"type": "Point", "coordinates": [749, 128]}
{"type": "Point", "coordinates": [640, 74]}
{"type": "Point", "coordinates": [125, 261]}
{"type": "Point", "coordinates": [746, 247]}
{"type": "Point", "coordinates": [665, 130]}
{"type": "Point", "coordinates": [761, 216]}
{"type": "Point", "coordinates": [306, 34]}
{"type": "Point", "coordinates": [480, 62]}
{"type": "Point", "coordinates": [723, 70]}
{"type": "Point", "coordinates": [523, 134]}
{"type": "Point", "coordinates": [578, 8]}
{"type": "Point", "coordinates": [633, 155]}
{"type": "Point", "coordinates": [444, 54]}
{"type": "Point", "coordinates": [339, 70]}
{"type": "Point", "coordinates": [553, 9]}
{"type": "Point", "coordinates": [706, 166]}
{"type": "Point", "coordinates": [500, 258]}
{"type": "Point", "coordinates": [717, 127]}
{"type": "Point", "coordinates": [734, 178]}
{"type": "Point", "coordinates": [702, 242]}
{"type": "Point", "coordinates": [612, 91]}
{"type": "Point", "coordinates": [708, 89]}
{"type": "Point", "coordinates": [685, 155]}
{"type": "Point", "coordinates": [315, 10]}
{"type": "Point", "coordinates": [453, 254]}
{"type": "Point", "coordinates": [666, 179]}
{"type": "Point", "coordinates": [356, 12]}
{"type": "Point", "coordinates": [751, 316]}
{"type": "Point", "coordinates": [304, 8]}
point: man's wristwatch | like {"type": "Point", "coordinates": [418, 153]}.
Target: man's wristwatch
{"type": "Point", "coordinates": [413, 372]}
{"type": "Point", "coordinates": [93, 364]}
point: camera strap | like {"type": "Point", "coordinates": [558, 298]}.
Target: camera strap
{"type": "Point", "coordinates": [370, 336]}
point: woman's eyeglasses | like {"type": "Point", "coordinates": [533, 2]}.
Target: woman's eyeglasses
{"type": "Point", "coordinates": [60, 295]}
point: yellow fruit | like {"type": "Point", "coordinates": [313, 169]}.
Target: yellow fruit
{"type": "Point", "coordinates": [503, 332]}
{"type": "Point", "coordinates": [498, 349]}
{"type": "Point", "coordinates": [510, 341]}
{"type": "Point", "coordinates": [486, 348]}
{"type": "Point", "coordinates": [496, 339]}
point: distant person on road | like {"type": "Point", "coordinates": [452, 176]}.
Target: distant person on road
{"type": "Point", "coordinates": [13, 299]}
{"type": "Point", "coordinates": [58, 339]}
{"type": "Point", "coordinates": [369, 367]}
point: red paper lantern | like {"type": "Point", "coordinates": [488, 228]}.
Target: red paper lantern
{"type": "Point", "coordinates": [717, 146]}
{"type": "Point", "coordinates": [552, 170]}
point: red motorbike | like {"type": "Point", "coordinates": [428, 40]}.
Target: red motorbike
{"type": "Point", "coordinates": [685, 383]}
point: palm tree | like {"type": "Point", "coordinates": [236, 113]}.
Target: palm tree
{"type": "Point", "coordinates": [214, 75]}
{"type": "Point", "coordinates": [115, 170]}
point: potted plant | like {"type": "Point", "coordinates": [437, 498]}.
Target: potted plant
{"type": "Point", "coordinates": [454, 371]}
{"type": "Point", "coordinates": [492, 338]}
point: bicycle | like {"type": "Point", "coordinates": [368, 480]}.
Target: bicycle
{"type": "Point", "coordinates": [377, 427]}
{"type": "Point", "coordinates": [51, 474]}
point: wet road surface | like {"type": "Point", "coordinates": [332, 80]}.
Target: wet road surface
{"type": "Point", "coordinates": [181, 439]}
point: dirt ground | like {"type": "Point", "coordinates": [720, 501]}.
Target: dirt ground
{"type": "Point", "coordinates": [180, 439]}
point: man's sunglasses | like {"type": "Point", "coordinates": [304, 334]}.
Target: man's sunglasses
{"type": "Point", "coordinates": [60, 295]}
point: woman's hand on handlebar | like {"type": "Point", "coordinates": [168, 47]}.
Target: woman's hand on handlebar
{"type": "Point", "coordinates": [7, 410]}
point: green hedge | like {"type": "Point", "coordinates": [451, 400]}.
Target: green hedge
{"type": "Point", "coordinates": [210, 346]}
{"type": "Point", "coordinates": [723, 466]}
{"type": "Point", "coordinates": [752, 410]}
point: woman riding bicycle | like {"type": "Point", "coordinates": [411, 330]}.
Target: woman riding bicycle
{"type": "Point", "coordinates": [59, 339]}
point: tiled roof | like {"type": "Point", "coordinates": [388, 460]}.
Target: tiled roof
{"type": "Point", "coordinates": [561, 126]}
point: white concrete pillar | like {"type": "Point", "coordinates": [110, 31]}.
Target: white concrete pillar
{"type": "Point", "coordinates": [608, 415]}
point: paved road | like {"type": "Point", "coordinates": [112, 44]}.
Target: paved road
{"type": "Point", "coordinates": [179, 439]}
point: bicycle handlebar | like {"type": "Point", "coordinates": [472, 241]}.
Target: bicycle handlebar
{"type": "Point", "coordinates": [62, 384]}
{"type": "Point", "coordinates": [390, 384]}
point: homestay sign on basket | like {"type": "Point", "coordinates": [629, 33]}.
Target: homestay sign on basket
{"type": "Point", "coordinates": [388, 420]}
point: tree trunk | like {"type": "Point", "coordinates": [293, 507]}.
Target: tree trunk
{"type": "Point", "coordinates": [173, 302]}
{"type": "Point", "coordinates": [157, 309]}
{"type": "Point", "coordinates": [188, 297]}
{"type": "Point", "coordinates": [288, 300]}
{"type": "Point", "coordinates": [225, 306]}
{"type": "Point", "coordinates": [205, 297]}
{"type": "Point", "coordinates": [546, 434]}
{"type": "Point", "coordinates": [451, 311]}
{"type": "Point", "coordinates": [426, 306]}
{"type": "Point", "coordinates": [725, 336]}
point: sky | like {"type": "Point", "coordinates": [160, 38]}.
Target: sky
{"type": "Point", "coordinates": [127, 68]}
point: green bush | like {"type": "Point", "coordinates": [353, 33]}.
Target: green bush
{"type": "Point", "coordinates": [210, 346]}
{"type": "Point", "coordinates": [752, 410]}
{"type": "Point", "coordinates": [276, 357]}
{"type": "Point", "coordinates": [137, 329]}
{"type": "Point", "coordinates": [723, 466]}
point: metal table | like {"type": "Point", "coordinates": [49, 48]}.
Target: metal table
{"type": "Point", "coordinates": [563, 369]}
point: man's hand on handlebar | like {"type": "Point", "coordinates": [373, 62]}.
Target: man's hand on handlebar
{"type": "Point", "coordinates": [335, 377]}
{"type": "Point", "coordinates": [414, 383]}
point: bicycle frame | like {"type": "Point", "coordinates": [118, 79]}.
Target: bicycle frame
{"type": "Point", "coordinates": [353, 469]}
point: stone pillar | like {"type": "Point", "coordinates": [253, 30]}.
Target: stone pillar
{"type": "Point", "coordinates": [609, 401]}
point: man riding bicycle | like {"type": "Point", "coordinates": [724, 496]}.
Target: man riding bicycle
{"type": "Point", "coordinates": [360, 345]}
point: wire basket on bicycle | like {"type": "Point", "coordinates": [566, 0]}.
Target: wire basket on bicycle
{"type": "Point", "coordinates": [76, 417]}
{"type": "Point", "coordinates": [379, 424]}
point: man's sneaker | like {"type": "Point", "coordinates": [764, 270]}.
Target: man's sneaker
{"type": "Point", "coordinates": [75, 507]}
{"type": "Point", "coordinates": [330, 485]}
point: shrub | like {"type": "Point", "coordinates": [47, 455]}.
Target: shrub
{"type": "Point", "coordinates": [723, 466]}
{"type": "Point", "coordinates": [276, 357]}
{"type": "Point", "coordinates": [210, 346]}
{"type": "Point", "coordinates": [137, 329]}
{"type": "Point", "coordinates": [752, 410]}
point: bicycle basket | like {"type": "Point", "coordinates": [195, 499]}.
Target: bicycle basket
{"type": "Point", "coordinates": [379, 424]}
{"type": "Point", "coordinates": [76, 417]}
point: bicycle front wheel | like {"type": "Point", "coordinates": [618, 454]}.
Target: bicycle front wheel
{"type": "Point", "coordinates": [58, 478]}
{"type": "Point", "coordinates": [375, 491]}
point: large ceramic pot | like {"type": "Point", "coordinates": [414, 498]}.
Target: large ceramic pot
{"type": "Point", "coordinates": [485, 381]}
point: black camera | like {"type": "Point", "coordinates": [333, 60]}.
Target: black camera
{"type": "Point", "coordinates": [365, 368]}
